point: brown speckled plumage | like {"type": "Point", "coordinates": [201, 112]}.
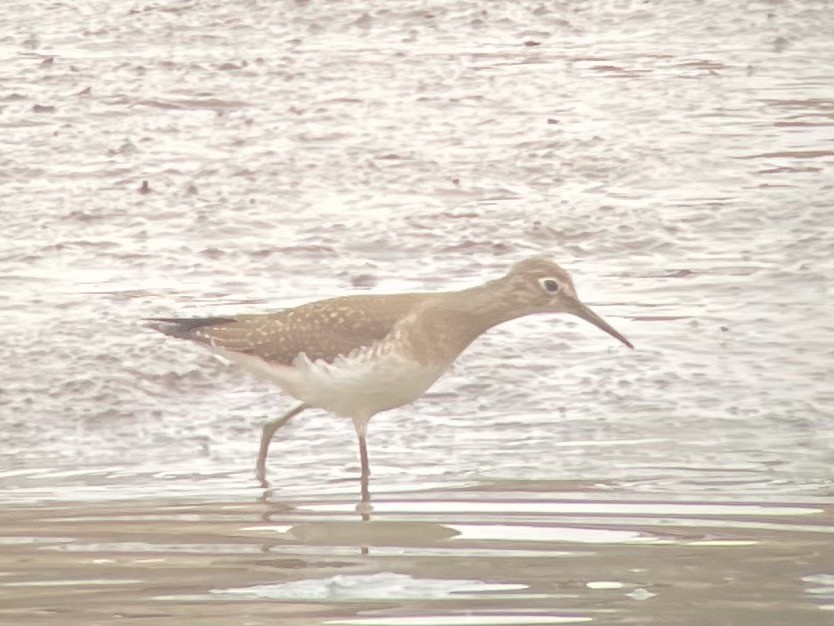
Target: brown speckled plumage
{"type": "Point", "coordinates": [323, 330]}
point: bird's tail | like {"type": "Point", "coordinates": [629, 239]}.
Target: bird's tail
{"type": "Point", "coordinates": [184, 327]}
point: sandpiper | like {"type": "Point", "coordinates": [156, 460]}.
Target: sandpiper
{"type": "Point", "coordinates": [358, 355]}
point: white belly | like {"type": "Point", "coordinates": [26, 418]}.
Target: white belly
{"type": "Point", "coordinates": [356, 386]}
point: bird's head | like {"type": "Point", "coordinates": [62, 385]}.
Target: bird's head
{"type": "Point", "coordinates": [537, 285]}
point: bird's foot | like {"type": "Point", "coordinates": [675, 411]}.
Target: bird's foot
{"type": "Point", "coordinates": [260, 475]}
{"type": "Point", "coordinates": [364, 508]}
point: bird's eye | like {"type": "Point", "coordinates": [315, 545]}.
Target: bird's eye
{"type": "Point", "coordinates": [550, 285]}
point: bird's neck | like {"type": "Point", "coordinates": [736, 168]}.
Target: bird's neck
{"type": "Point", "coordinates": [483, 306]}
{"type": "Point", "coordinates": [449, 322]}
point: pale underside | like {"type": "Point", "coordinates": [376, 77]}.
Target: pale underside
{"type": "Point", "coordinates": [357, 386]}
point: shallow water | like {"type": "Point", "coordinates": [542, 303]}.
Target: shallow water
{"type": "Point", "coordinates": [508, 552]}
{"type": "Point", "coordinates": [676, 157]}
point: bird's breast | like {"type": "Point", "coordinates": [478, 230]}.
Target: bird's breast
{"type": "Point", "coordinates": [363, 383]}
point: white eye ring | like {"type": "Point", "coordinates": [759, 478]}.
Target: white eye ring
{"type": "Point", "coordinates": [550, 285]}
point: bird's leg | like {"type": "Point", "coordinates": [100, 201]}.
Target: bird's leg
{"type": "Point", "coordinates": [266, 436]}
{"type": "Point", "coordinates": [366, 471]}
{"type": "Point", "coordinates": [361, 426]}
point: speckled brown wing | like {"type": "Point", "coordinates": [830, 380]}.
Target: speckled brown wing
{"type": "Point", "coordinates": [323, 330]}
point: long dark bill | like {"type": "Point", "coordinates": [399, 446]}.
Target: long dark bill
{"type": "Point", "coordinates": [582, 311]}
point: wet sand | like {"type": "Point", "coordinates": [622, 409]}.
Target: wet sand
{"type": "Point", "coordinates": [210, 158]}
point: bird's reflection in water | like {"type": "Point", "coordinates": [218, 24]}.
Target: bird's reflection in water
{"type": "Point", "coordinates": [364, 533]}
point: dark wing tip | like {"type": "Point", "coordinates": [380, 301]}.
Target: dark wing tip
{"type": "Point", "coordinates": [184, 327]}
